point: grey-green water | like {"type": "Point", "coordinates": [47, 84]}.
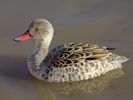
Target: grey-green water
{"type": "Point", "coordinates": [105, 22]}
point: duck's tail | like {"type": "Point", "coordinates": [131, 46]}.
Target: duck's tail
{"type": "Point", "coordinates": [122, 59]}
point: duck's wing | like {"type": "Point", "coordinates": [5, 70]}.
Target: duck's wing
{"type": "Point", "coordinates": [72, 53]}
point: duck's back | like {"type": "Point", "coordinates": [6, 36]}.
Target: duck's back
{"type": "Point", "coordinates": [79, 61]}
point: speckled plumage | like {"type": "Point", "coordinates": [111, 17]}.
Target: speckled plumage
{"type": "Point", "coordinates": [78, 61]}
{"type": "Point", "coordinates": [67, 62]}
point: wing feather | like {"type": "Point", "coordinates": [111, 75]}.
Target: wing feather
{"type": "Point", "coordinates": [70, 53]}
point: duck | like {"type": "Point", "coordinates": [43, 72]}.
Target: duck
{"type": "Point", "coordinates": [68, 62]}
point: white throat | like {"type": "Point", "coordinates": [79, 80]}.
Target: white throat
{"type": "Point", "coordinates": [39, 54]}
{"type": "Point", "coordinates": [42, 48]}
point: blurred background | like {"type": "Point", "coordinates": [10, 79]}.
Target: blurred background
{"type": "Point", "coordinates": [105, 22]}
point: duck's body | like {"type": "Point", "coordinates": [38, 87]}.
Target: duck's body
{"type": "Point", "coordinates": [70, 61]}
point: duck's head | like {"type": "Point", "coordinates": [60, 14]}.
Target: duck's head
{"type": "Point", "coordinates": [39, 29]}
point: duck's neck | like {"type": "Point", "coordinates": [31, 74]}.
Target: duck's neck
{"type": "Point", "coordinates": [40, 52]}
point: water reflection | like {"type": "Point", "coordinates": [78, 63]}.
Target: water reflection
{"type": "Point", "coordinates": [51, 90]}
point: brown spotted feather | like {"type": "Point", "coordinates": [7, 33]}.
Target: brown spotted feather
{"type": "Point", "coordinates": [71, 53]}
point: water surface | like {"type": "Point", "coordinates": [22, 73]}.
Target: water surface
{"type": "Point", "coordinates": [105, 22]}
